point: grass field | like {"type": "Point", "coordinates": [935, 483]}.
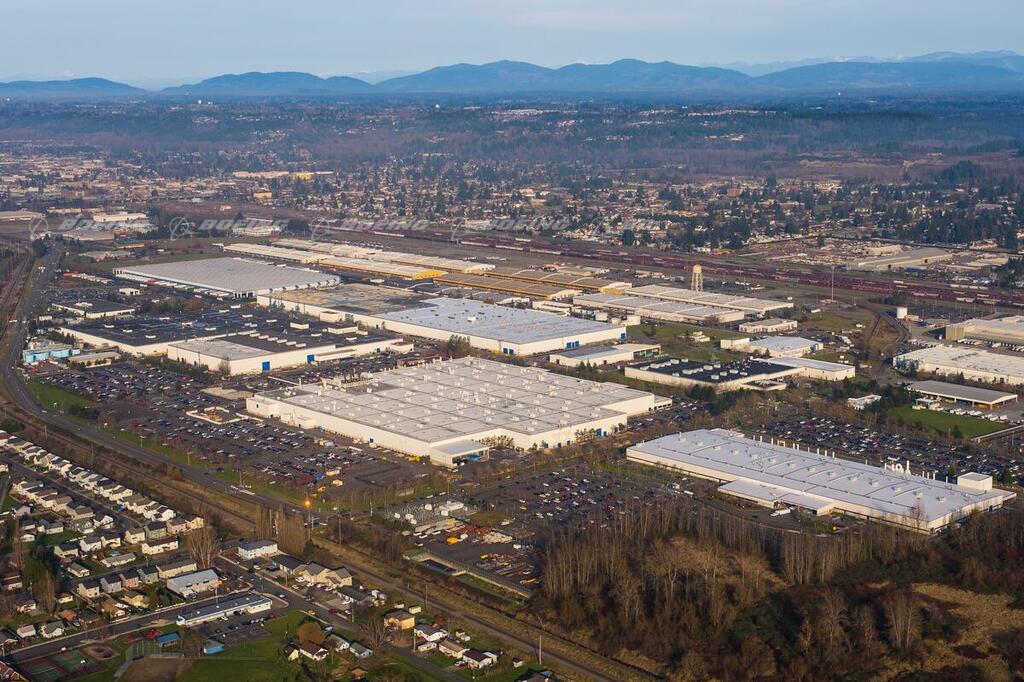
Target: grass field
{"type": "Point", "coordinates": [260, 660]}
{"type": "Point", "coordinates": [673, 330]}
{"type": "Point", "coordinates": [53, 397]}
{"type": "Point", "coordinates": [837, 322]}
{"type": "Point", "coordinates": [944, 423]}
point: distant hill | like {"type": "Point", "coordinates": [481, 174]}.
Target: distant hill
{"type": "Point", "coordinates": [1003, 59]}
{"type": "Point", "coordinates": [272, 84]}
{"type": "Point", "coordinates": [77, 88]}
{"type": "Point", "coordinates": [946, 72]}
{"type": "Point", "coordinates": [623, 76]}
{"type": "Point", "coordinates": [945, 75]}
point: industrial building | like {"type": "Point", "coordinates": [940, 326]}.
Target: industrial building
{"type": "Point", "coordinates": [752, 374]}
{"type": "Point", "coordinates": [756, 375]}
{"type": "Point", "coordinates": [500, 329]}
{"type": "Point", "coordinates": [246, 604]}
{"type": "Point", "coordinates": [903, 260]}
{"type": "Point", "coordinates": [232, 277]}
{"type": "Point", "coordinates": [449, 411]}
{"type": "Point", "coordinates": [537, 290]}
{"type": "Point", "coordinates": [773, 325]}
{"type": "Point", "coordinates": [781, 346]}
{"type": "Point", "coordinates": [776, 475]}
{"type": "Point", "coordinates": [970, 363]}
{"type": "Point", "coordinates": [339, 255]}
{"type": "Point", "coordinates": [658, 309]}
{"type": "Point", "coordinates": [568, 279]}
{"type": "Point", "coordinates": [979, 397]}
{"type": "Point", "coordinates": [604, 355]}
{"type": "Point", "coordinates": [818, 369]}
{"type": "Point", "coordinates": [1002, 330]}
{"type": "Point", "coordinates": [262, 351]}
{"type": "Point", "coordinates": [754, 307]}
{"type": "Point", "coordinates": [94, 309]}
{"type": "Point", "coordinates": [246, 336]}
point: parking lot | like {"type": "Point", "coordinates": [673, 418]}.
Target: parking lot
{"type": "Point", "coordinates": [526, 509]}
{"type": "Point", "coordinates": [876, 446]}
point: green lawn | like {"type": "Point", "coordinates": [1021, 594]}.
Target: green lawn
{"type": "Point", "coordinates": [836, 322]}
{"type": "Point", "coordinates": [943, 422]}
{"type": "Point", "coordinates": [259, 661]}
{"type": "Point", "coordinates": [672, 330]}
{"type": "Point", "coordinates": [53, 397]}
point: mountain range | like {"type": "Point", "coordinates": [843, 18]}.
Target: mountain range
{"type": "Point", "coordinates": [939, 72]}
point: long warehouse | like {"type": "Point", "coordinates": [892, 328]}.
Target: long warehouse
{"type": "Point", "coordinates": [776, 475]}
{"type": "Point", "coordinates": [1001, 330]}
{"type": "Point", "coordinates": [235, 277]}
{"type": "Point", "coordinates": [449, 410]}
{"type": "Point", "coordinates": [500, 329]}
{"type": "Point", "coordinates": [750, 306]}
{"type": "Point", "coordinates": [657, 309]}
{"type": "Point", "coordinates": [971, 363]}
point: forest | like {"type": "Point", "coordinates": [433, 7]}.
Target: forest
{"type": "Point", "coordinates": [712, 595]}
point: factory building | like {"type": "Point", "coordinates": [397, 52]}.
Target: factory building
{"type": "Point", "coordinates": [448, 411]}
{"type": "Point", "coordinates": [956, 393]}
{"type": "Point", "coordinates": [903, 260]}
{"type": "Point", "coordinates": [774, 325]}
{"type": "Point", "coordinates": [970, 363]}
{"type": "Point", "coordinates": [781, 346]}
{"type": "Point", "coordinates": [94, 309]}
{"type": "Point", "coordinates": [658, 309]}
{"type": "Point", "coordinates": [535, 290]}
{"type": "Point", "coordinates": [261, 352]}
{"type": "Point", "coordinates": [247, 335]}
{"type": "Point", "coordinates": [575, 280]}
{"type": "Point", "coordinates": [753, 307]}
{"type": "Point", "coordinates": [604, 355]}
{"type": "Point", "coordinates": [778, 476]}
{"type": "Point", "coordinates": [230, 277]}
{"type": "Point", "coordinates": [306, 251]}
{"type": "Point", "coordinates": [1002, 330]}
{"type": "Point", "coordinates": [755, 375]}
{"type": "Point", "coordinates": [752, 374]}
{"type": "Point", "coordinates": [499, 329]}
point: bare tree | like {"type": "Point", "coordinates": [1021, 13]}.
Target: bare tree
{"type": "Point", "coordinates": [45, 591]}
{"type": "Point", "coordinates": [375, 632]}
{"type": "Point", "coordinates": [202, 544]}
{"type": "Point", "coordinates": [265, 523]}
{"type": "Point", "coordinates": [291, 535]}
{"type": "Point", "coordinates": [904, 619]}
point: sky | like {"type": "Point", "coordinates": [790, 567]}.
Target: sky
{"type": "Point", "coordinates": [160, 42]}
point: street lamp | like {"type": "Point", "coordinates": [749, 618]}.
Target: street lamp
{"type": "Point", "coordinates": [309, 516]}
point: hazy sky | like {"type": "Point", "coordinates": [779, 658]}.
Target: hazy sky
{"type": "Point", "coordinates": [144, 41]}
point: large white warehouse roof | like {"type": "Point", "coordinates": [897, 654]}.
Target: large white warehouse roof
{"type": "Point", "coordinates": [751, 306]}
{"type": "Point", "coordinates": [235, 276]}
{"type": "Point", "coordinates": [444, 409]}
{"type": "Point", "coordinates": [851, 487]}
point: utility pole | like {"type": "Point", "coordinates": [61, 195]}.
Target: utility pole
{"type": "Point", "coordinates": [540, 650]}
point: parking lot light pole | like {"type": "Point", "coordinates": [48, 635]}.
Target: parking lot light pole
{"type": "Point", "coordinates": [309, 517]}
